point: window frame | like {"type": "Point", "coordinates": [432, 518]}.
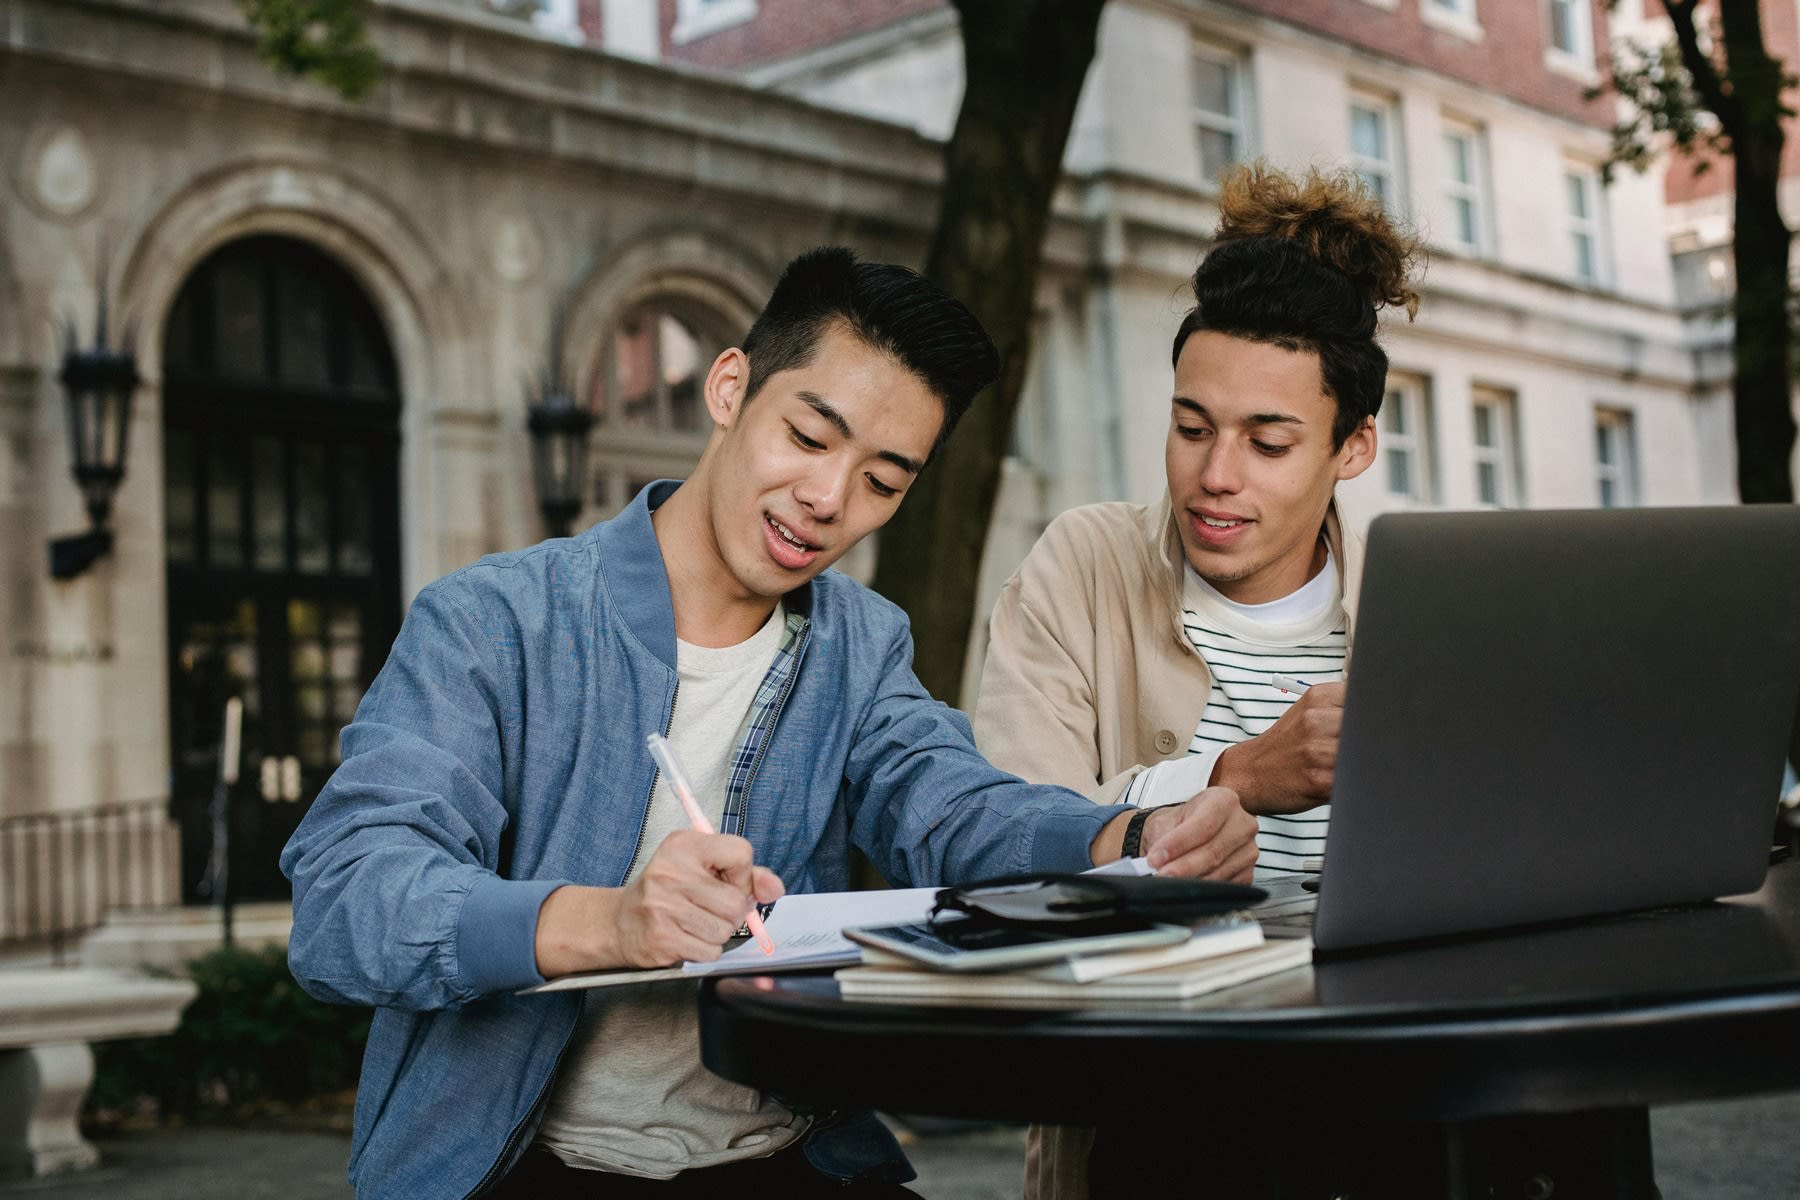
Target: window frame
{"type": "Point", "coordinates": [695, 19]}
{"type": "Point", "coordinates": [1238, 124]}
{"type": "Point", "coordinates": [1418, 442]}
{"type": "Point", "coordinates": [1453, 16]}
{"type": "Point", "coordinates": [559, 19]}
{"type": "Point", "coordinates": [1473, 190]}
{"type": "Point", "coordinates": [1503, 455]}
{"type": "Point", "coordinates": [1591, 225]}
{"type": "Point", "coordinates": [1391, 169]}
{"type": "Point", "coordinates": [1623, 473]}
{"type": "Point", "coordinates": [1580, 55]}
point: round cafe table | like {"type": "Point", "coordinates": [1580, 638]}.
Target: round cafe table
{"type": "Point", "coordinates": [1513, 1064]}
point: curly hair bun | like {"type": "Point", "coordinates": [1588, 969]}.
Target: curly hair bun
{"type": "Point", "coordinates": [1334, 217]}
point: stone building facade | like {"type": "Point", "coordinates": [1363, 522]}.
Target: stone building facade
{"type": "Point", "coordinates": [1548, 367]}
{"type": "Point", "coordinates": [341, 311]}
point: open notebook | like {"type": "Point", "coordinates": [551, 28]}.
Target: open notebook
{"type": "Point", "coordinates": [807, 931]}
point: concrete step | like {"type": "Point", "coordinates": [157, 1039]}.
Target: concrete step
{"type": "Point", "coordinates": [166, 939]}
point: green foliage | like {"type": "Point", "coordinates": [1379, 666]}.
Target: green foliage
{"type": "Point", "coordinates": [251, 1037]}
{"type": "Point", "coordinates": [1690, 100]}
{"type": "Point", "coordinates": [326, 40]}
{"type": "Point", "coordinates": [1662, 105]}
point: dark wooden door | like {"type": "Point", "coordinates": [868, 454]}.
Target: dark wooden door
{"type": "Point", "coordinates": [281, 499]}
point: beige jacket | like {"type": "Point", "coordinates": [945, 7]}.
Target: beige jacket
{"type": "Point", "coordinates": [1090, 679]}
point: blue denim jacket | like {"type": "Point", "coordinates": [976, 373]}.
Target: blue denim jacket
{"type": "Point", "coordinates": [500, 754]}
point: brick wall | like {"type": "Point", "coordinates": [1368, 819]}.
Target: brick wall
{"type": "Point", "coordinates": [783, 28]}
{"type": "Point", "coordinates": [1508, 58]}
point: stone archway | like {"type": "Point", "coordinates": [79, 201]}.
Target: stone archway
{"type": "Point", "coordinates": [646, 324]}
{"type": "Point", "coordinates": [280, 435]}
{"type": "Point", "coordinates": [390, 261]}
{"type": "Point", "coordinates": [390, 257]}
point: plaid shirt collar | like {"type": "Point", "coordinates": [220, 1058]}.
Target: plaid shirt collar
{"type": "Point", "coordinates": [759, 721]}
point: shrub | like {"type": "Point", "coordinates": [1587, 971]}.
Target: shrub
{"type": "Point", "coordinates": [250, 1038]}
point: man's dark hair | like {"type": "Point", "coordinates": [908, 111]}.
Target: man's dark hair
{"type": "Point", "coordinates": [892, 309]}
{"type": "Point", "coordinates": [1304, 264]}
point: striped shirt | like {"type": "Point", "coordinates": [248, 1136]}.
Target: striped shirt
{"type": "Point", "coordinates": [1302, 636]}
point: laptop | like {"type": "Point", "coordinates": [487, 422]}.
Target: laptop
{"type": "Point", "coordinates": [1557, 714]}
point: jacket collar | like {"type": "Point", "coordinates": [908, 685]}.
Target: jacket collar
{"type": "Point", "coordinates": [637, 583]}
{"type": "Point", "coordinates": [1170, 560]}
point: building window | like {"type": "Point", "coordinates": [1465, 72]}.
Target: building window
{"type": "Point", "coordinates": [1581, 188]}
{"type": "Point", "coordinates": [1374, 149]}
{"type": "Point", "coordinates": [1704, 278]}
{"type": "Point", "coordinates": [1571, 30]}
{"type": "Point", "coordinates": [1465, 186]}
{"type": "Point", "coordinates": [1453, 16]}
{"type": "Point", "coordinates": [1615, 458]}
{"type": "Point", "coordinates": [558, 18]}
{"type": "Point", "coordinates": [647, 396]}
{"type": "Point", "coordinates": [696, 19]}
{"type": "Point", "coordinates": [1220, 128]}
{"type": "Point", "coordinates": [1496, 449]}
{"type": "Point", "coordinates": [1405, 441]}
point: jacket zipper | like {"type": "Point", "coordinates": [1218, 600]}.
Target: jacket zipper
{"type": "Point", "coordinates": [530, 1119]}
{"type": "Point", "coordinates": [544, 1092]}
{"type": "Point", "coordinates": [512, 1139]}
{"type": "Point", "coordinates": [637, 847]}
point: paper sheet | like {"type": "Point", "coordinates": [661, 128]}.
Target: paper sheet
{"type": "Point", "coordinates": [1123, 866]}
{"type": "Point", "coordinates": [807, 931]}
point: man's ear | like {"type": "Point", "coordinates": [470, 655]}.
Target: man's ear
{"type": "Point", "coordinates": [727, 384]}
{"type": "Point", "coordinates": [1358, 450]}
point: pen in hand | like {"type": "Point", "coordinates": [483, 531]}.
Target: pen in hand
{"type": "Point", "coordinates": [1289, 684]}
{"type": "Point", "coordinates": [665, 760]}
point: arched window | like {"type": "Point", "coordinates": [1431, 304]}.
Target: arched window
{"type": "Point", "coordinates": [650, 415]}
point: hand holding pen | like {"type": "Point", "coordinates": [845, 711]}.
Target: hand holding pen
{"type": "Point", "coordinates": [678, 784]}
{"type": "Point", "coordinates": [1288, 768]}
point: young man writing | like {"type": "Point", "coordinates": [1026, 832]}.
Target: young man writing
{"type": "Point", "coordinates": [497, 818]}
{"type": "Point", "coordinates": [1135, 654]}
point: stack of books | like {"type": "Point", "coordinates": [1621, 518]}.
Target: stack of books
{"type": "Point", "coordinates": [1220, 954]}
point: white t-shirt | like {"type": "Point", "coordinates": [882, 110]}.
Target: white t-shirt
{"type": "Point", "coordinates": [632, 1095]}
{"type": "Point", "coordinates": [1302, 635]}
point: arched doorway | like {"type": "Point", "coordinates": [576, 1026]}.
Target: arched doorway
{"type": "Point", "coordinates": [281, 419]}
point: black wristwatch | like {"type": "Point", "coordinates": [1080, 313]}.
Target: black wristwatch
{"type": "Point", "coordinates": [1134, 833]}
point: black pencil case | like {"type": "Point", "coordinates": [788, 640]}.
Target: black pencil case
{"type": "Point", "coordinates": [1062, 899]}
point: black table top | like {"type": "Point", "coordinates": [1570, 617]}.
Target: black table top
{"type": "Point", "coordinates": [1689, 1003]}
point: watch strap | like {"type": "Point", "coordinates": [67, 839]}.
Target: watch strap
{"type": "Point", "coordinates": [1134, 834]}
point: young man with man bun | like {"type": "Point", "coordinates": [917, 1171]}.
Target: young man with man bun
{"type": "Point", "coordinates": [1136, 653]}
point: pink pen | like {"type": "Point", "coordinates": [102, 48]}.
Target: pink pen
{"type": "Point", "coordinates": [664, 755]}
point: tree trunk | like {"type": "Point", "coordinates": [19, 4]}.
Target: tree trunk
{"type": "Point", "coordinates": [1746, 97]}
{"type": "Point", "coordinates": [1762, 388]}
{"type": "Point", "coordinates": [1024, 65]}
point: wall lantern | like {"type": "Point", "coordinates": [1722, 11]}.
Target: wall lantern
{"type": "Point", "coordinates": [98, 385]}
{"type": "Point", "coordinates": [559, 442]}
